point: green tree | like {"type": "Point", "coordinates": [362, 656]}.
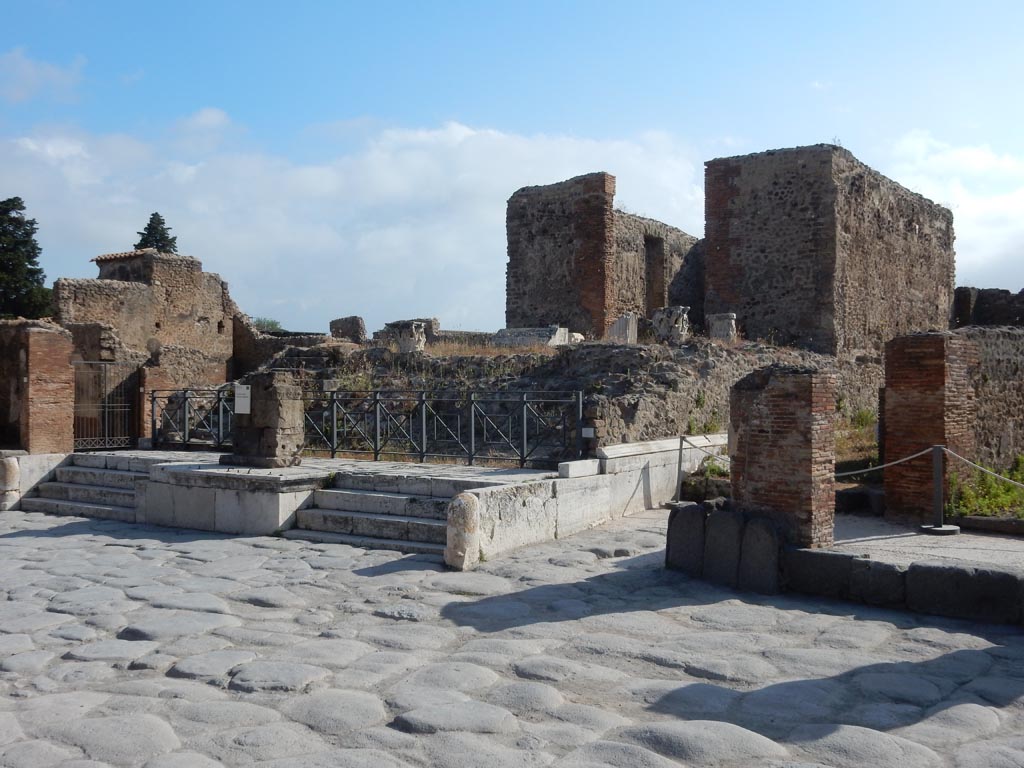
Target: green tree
{"type": "Point", "coordinates": [266, 324]}
{"type": "Point", "coordinates": [157, 235]}
{"type": "Point", "coordinates": [22, 292]}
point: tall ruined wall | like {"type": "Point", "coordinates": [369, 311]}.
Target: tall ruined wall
{"type": "Point", "coordinates": [998, 383]}
{"type": "Point", "coordinates": [11, 392]}
{"type": "Point", "coordinates": [560, 243]}
{"type": "Point", "coordinates": [770, 234]}
{"type": "Point", "coordinates": [987, 306]}
{"type": "Point", "coordinates": [181, 306]}
{"type": "Point", "coordinates": [812, 248]}
{"type": "Point", "coordinates": [648, 256]}
{"type": "Point", "coordinates": [894, 259]}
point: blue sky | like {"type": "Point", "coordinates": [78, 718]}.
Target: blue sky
{"type": "Point", "coordinates": [350, 158]}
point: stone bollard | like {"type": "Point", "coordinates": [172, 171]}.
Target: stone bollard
{"type": "Point", "coordinates": [722, 327]}
{"type": "Point", "coordinates": [671, 325]}
{"type": "Point", "coordinates": [272, 434]}
{"type": "Point", "coordinates": [463, 548]}
{"type": "Point", "coordinates": [10, 483]}
{"type": "Point", "coordinates": [412, 336]}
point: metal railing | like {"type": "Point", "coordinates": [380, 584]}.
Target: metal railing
{"type": "Point", "coordinates": [535, 428]}
{"type": "Point", "coordinates": [191, 418]}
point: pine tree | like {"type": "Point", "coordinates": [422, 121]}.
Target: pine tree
{"type": "Point", "coordinates": [157, 235]}
{"type": "Point", "coordinates": [22, 292]}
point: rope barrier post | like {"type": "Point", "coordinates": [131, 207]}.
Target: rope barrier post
{"type": "Point", "coordinates": [938, 527]}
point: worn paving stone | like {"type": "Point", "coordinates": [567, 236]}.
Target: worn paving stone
{"type": "Point", "coordinates": [111, 650]}
{"type": "Point", "coordinates": [335, 711]}
{"type": "Point", "coordinates": [469, 716]}
{"type": "Point", "coordinates": [120, 740]}
{"type": "Point", "coordinates": [170, 624]}
{"type": "Point", "coordinates": [212, 664]}
{"type": "Point", "coordinates": [275, 676]}
{"type": "Point", "coordinates": [703, 742]}
{"type": "Point", "coordinates": [849, 746]}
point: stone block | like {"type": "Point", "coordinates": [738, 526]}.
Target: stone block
{"type": "Point", "coordinates": [723, 541]}
{"type": "Point", "coordinates": [351, 328]}
{"type": "Point", "coordinates": [684, 544]}
{"type": "Point", "coordinates": [581, 468]}
{"type": "Point", "coordinates": [623, 330]}
{"type": "Point", "coordinates": [877, 583]}
{"type": "Point", "coordinates": [759, 557]}
{"type": "Point", "coordinates": [965, 591]}
{"type": "Point", "coordinates": [549, 336]}
{"type": "Point", "coordinates": [671, 325]}
{"type": "Point", "coordinates": [411, 336]}
{"type": "Point", "coordinates": [580, 503]}
{"type": "Point", "coordinates": [462, 550]}
{"type": "Point", "coordinates": [722, 326]}
{"type": "Point", "coordinates": [820, 572]}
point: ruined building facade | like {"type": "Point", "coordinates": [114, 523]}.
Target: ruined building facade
{"type": "Point", "coordinates": [812, 248]}
{"type": "Point", "coordinates": [575, 261]}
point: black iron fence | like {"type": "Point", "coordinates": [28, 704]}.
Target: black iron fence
{"type": "Point", "coordinates": [528, 428]}
{"type": "Point", "coordinates": [106, 405]}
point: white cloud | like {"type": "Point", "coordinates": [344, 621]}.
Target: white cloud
{"type": "Point", "coordinates": [23, 78]}
{"type": "Point", "coordinates": [985, 190]}
{"type": "Point", "coordinates": [410, 223]}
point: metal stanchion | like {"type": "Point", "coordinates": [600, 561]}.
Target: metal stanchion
{"type": "Point", "coordinates": [938, 527]}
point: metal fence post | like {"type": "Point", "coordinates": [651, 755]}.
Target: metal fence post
{"type": "Point", "coordinates": [334, 424]}
{"type": "Point", "coordinates": [938, 526]}
{"type": "Point", "coordinates": [579, 424]}
{"type": "Point", "coordinates": [220, 417]}
{"type": "Point", "coordinates": [152, 418]}
{"type": "Point", "coordinates": [188, 430]}
{"type": "Point", "coordinates": [376, 425]}
{"type": "Point", "coordinates": [472, 427]}
{"type": "Point", "coordinates": [524, 447]}
{"type": "Point", "coordinates": [423, 425]}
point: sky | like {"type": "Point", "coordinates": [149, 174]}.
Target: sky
{"type": "Point", "coordinates": [338, 158]}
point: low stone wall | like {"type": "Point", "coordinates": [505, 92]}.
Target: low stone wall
{"type": "Point", "coordinates": [718, 543]}
{"type": "Point", "coordinates": [21, 472]}
{"type": "Point", "coordinates": [624, 479]}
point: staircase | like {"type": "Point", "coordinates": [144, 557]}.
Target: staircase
{"type": "Point", "coordinates": [93, 485]}
{"type": "Point", "coordinates": [383, 511]}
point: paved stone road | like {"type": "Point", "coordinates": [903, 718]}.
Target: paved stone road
{"type": "Point", "coordinates": [124, 645]}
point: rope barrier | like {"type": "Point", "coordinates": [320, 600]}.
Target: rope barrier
{"type": "Point", "coordinates": [883, 466]}
{"type": "Point", "coordinates": [982, 469]}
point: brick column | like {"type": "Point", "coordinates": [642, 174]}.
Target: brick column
{"type": "Point", "coordinates": [48, 408]}
{"type": "Point", "coordinates": [929, 400]}
{"type": "Point", "coordinates": [783, 450]}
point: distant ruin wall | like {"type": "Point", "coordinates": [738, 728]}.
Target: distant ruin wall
{"type": "Point", "coordinates": [647, 257]}
{"type": "Point", "coordinates": [560, 242]}
{"type": "Point", "coordinates": [810, 247]}
{"type": "Point", "coordinates": [182, 306]}
{"type": "Point", "coordinates": [987, 306]}
{"type": "Point", "coordinates": [998, 384]}
{"type": "Point", "coordinates": [252, 348]}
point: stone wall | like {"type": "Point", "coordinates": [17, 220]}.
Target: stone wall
{"type": "Point", "coordinates": [998, 388]}
{"type": "Point", "coordinates": [253, 348]}
{"type": "Point", "coordinates": [576, 262]}
{"type": "Point", "coordinates": [987, 306]}
{"type": "Point", "coordinates": [810, 247]}
{"type": "Point", "coordinates": [38, 387]}
{"type": "Point", "coordinates": [783, 450]}
{"type": "Point", "coordinates": [178, 304]}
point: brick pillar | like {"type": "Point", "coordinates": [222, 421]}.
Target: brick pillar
{"type": "Point", "coordinates": [783, 450]}
{"type": "Point", "coordinates": [271, 435]}
{"type": "Point", "coordinates": [48, 408]}
{"type": "Point", "coordinates": [929, 400]}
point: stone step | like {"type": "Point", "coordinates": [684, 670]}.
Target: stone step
{"type": "Point", "coordinates": [78, 509]}
{"type": "Point", "coordinates": [373, 525]}
{"type": "Point", "coordinates": [88, 494]}
{"type": "Point", "coordinates": [110, 478]}
{"type": "Point", "coordinates": [382, 503]}
{"type": "Point", "coordinates": [366, 542]}
{"type": "Point", "coordinates": [410, 485]}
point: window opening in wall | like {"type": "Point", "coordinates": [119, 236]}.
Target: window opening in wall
{"type": "Point", "coordinates": [654, 260]}
{"type": "Point", "coordinates": [220, 326]}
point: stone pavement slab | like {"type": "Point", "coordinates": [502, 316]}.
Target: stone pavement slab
{"type": "Point", "coordinates": [126, 645]}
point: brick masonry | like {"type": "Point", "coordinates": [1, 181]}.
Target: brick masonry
{"type": "Point", "coordinates": [574, 261]}
{"type": "Point", "coordinates": [963, 389]}
{"type": "Point", "coordinates": [36, 407]}
{"type": "Point", "coordinates": [783, 450]}
{"type": "Point", "coordinates": [812, 248]}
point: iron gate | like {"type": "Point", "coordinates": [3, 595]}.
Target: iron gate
{"type": "Point", "coordinates": [106, 405]}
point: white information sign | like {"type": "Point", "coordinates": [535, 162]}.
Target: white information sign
{"type": "Point", "coordinates": [243, 399]}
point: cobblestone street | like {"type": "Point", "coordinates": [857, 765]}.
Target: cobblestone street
{"type": "Point", "coordinates": [127, 645]}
